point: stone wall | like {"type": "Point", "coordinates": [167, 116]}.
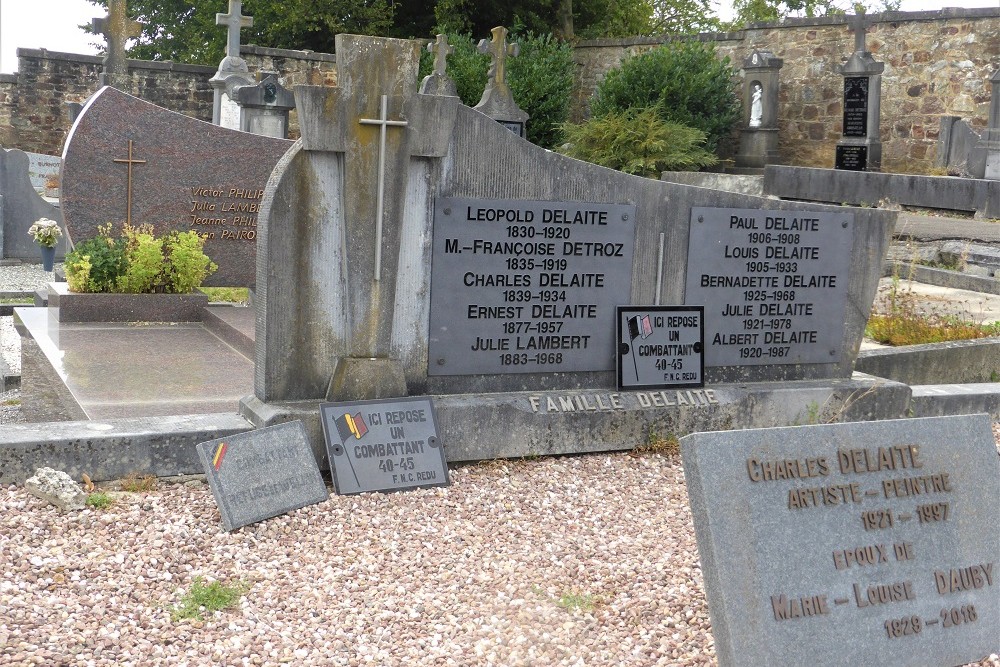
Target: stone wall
{"type": "Point", "coordinates": [33, 112]}
{"type": "Point", "coordinates": [936, 64]}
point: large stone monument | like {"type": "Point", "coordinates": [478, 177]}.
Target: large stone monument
{"type": "Point", "coordinates": [233, 71]}
{"type": "Point", "coordinates": [409, 245]}
{"type": "Point", "coordinates": [759, 135]}
{"type": "Point", "coordinates": [860, 147]}
{"type": "Point", "coordinates": [116, 28]}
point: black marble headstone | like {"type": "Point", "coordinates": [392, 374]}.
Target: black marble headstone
{"type": "Point", "coordinates": [856, 106]}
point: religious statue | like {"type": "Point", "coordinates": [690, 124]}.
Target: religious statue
{"type": "Point", "coordinates": [756, 108]}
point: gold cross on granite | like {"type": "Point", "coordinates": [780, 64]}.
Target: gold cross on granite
{"type": "Point", "coordinates": [130, 161]}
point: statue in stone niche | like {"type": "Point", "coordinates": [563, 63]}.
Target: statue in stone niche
{"type": "Point", "coordinates": [756, 107]}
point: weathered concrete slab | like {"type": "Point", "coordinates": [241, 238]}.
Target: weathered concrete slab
{"type": "Point", "coordinates": [866, 188]}
{"type": "Point", "coordinates": [940, 400]}
{"type": "Point", "coordinates": [161, 446]}
{"type": "Point", "coordinates": [960, 361]}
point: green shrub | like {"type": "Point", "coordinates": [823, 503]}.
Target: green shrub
{"type": "Point", "coordinates": [138, 262]}
{"type": "Point", "coordinates": [684, 80]}
{"type": "Point", "coordinates": [187, 263]}
{"type": "Point", "coordinates": [638, 141]}
{"type": "Point", "coordinates": [540, 79]}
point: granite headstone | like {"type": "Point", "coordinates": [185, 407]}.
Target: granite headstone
{"type": "Point", "coordinates": [177, 173]}
{"type": "Point", "coordinates": [20, 206]}
{"type": "Point", "coordinates": [872, 543]}
{"type": "Point", "coordinates": [261, 474]}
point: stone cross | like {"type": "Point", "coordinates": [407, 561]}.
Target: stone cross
{"type": "Point", "coordinates": [129, 161]}
{"type": "Point", "coordinates": [498, 49]}
{"type": "Point", "coordinates": [116, 28]}
{"type": "Point", "coordinates": [383, 124]}
{"type": "Point", "coordinates": [234, 21]}
{"type": "Point", "coordinates": [441, 50]}
{"type": "Point", "coordinates": [859, 24]}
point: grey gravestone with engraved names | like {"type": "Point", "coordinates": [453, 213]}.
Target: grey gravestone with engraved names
{"type": "Point", "coordinates": [386, 445]}
{"type": "Point", "coordinates": [773, 284]}
{"type": "Point", "coordinates": [849, 544]}
{"type": "Point", "coordinates": [127, 159]}
{"type": "Point", "coordinates": [261, 474]}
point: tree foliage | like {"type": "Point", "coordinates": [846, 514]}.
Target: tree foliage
{"type": "Point", "coordinates": [185, 31]}
{"type": "Point", "coordinates": [767, 11]}
{"type": "Point", "coordinates": [540, 79]}
{"type": "Point", "coordinates": [683, 80]}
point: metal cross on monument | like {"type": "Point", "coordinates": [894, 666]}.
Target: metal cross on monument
{"type": "Point", "coordinates": [116, 28]}
{"type": "Point", "coordinates": [234, 21]}
{"type": "Point", "coordinates": [383, 123]}
{"type": "Point", "coordinates": [129, 161]}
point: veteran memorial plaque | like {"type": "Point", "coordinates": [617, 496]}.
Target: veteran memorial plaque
{"type": "Point", "coordinates": [774, 284]}
{"type": "Point", "coordinates": [261, 474]}
{"type": "Point", "coordinates": [527, 286]}
{"type": "Point", "coordinates": [660, 347]}
{"type": "Point", "coordinates": [871, 543]}
{"type": "Point", "coordinates": [383, 445]}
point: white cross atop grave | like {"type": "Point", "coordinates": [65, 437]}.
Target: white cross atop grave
{"type": "Point", "coordinates": [234, 22]}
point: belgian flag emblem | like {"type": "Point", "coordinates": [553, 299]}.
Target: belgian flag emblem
{"type": "Point", "coordinates": [348, 425]}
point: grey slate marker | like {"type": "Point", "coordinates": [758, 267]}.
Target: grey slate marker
{"type": "Point", "coordinates": [386, 445]}
{"type": "Point", "coordinates": [872, 543]}
{"type": "Point", "coordinates": [261, 474]}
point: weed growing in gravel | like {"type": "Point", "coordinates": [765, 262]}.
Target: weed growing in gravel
{"type": "Point", "coordinates": [577, 602]}
{"type": "Point", "coordinates": [9, 402]}
{"type": "Point", "coordinates": [896, 320]}
{"type": "Point", "coordinates": [136, 483]}
{"type": "Point", "coordinates": [202, 598]}
{"type": "Point", "coordinates": [99, 501]}
{"type": "Point", "coordinates": [667, 445]}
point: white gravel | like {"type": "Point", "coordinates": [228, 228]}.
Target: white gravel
{"type": "Point", "coordinates": [587, 560]}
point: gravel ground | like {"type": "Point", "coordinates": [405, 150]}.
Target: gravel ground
{"type": "Point", "coordinates": [587, 560]}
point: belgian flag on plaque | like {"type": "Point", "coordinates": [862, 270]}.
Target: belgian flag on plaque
{"type": "Point", "coordinates": [351, 425]}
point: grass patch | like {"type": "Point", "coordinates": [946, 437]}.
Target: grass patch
{"type": "Point", "coordinates": [99, 501]}
{"type": "Point", "coordinates": [202, 598]}
{"type": "Point", "coordinates": [137, 483]}
{"type": "Point", "coordinates": [10, 402]}
{"type": "Point", "coordinates": [227, 294]}
{"type": "Point", "coordinates": [18, 301]}
{"type": "Point", "coordinates": [898, 321]}
{"type": "Point", "coordinates": [667, 445]}
{"type": "Point", "coordinates": [584, 602]}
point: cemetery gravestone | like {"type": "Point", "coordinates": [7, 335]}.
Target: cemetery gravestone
{"type": "Point", "coordinates": [438, 82]}
{"type": "Point", "coordinates": [869, 543]}
{"type": "Point", "coordinates": [233, 71]}
{"type": "Point", "coordinates": [116, 28]}
{"type": "Point", "coordinates": [20, 206]}
{"type": "Point", "coordinates": [261, 474]}
{"type": "Point", "coordinates": [759, 136]}
{"type": "Point", "coordinates": [43, 172]}
{"type": "Point", "coordinates": [126, 159]}
{"type": "Point", "coordinates": [860, 148]}
{"type": "Point", "coordinates": [265, 107]}
{"type": "Point", "coordinates": [497, 101]}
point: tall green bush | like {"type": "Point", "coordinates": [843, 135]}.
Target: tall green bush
{"type": "Point", "coordinates": [540, 78]}
{"type": "Point", "coordinates": [684, 80]}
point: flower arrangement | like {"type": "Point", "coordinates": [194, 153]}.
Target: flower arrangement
{"type": "Point", "coordinates": [45, 232]}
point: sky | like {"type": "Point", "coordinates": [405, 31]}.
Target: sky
{"type": "Point", "coordinates": [53, 24]}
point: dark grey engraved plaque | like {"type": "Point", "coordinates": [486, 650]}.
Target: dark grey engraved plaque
{"type": "Point", "coordinates": [384, 445]}
{"type": "Point", "coordinates": [261, 474]}
{"type": "Point", "coordinates": [523, 286]}
{"type": "Point", "coordinates": [852, 158]}
{"type": "Point", "coordinates": [856, 106]}
{"type": "Point", "coordinates": [870, 543]}
{"type": "Point", "coordinates": [660, 347]}
{"type": "Point", "coordinates": [774, 284]}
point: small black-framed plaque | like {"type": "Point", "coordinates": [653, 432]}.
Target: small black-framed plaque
{"type": "Point", "coordinates": [514, 126]}
{"type": "Point", "coordinates": [660, 347]}
{"type": "Point", "coordinates": [852, 158]}
{"type": "Point", "coordinates": [383, 445]}
{"type": "Point", "coordinates": [856, 106]}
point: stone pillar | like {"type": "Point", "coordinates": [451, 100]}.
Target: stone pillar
{"type": "Point", "coordinates": [991, 136]}
{"type": "Point", "coordinates": [759, 136]}
{"type": "Point", "coordinates": [233, 71]}
{"type": "Point", "coordinates": [265, 107]}
{"type": "Point", "coordinates": [860, 148]}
